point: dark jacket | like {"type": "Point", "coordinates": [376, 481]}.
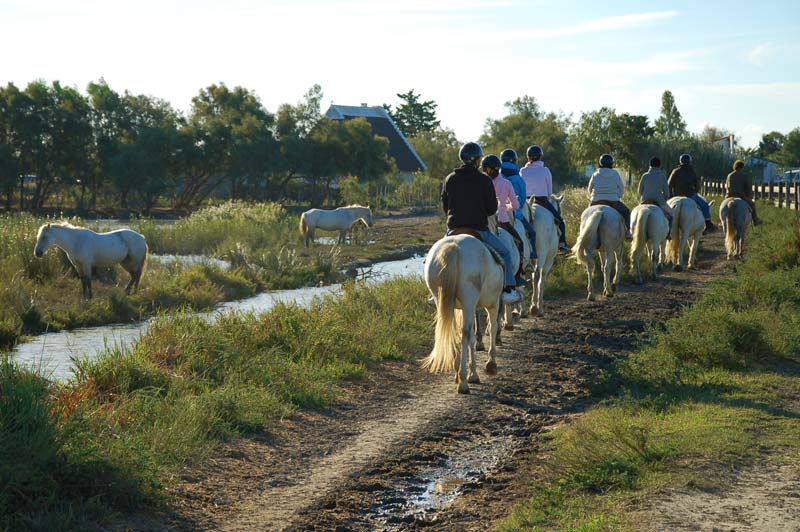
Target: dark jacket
{"type": "Point", "coordinates": [683, 181]}
{"type": "Point", "coordinates": [468, 198]}
{"type": "Point", "coordinates": [738, 185]}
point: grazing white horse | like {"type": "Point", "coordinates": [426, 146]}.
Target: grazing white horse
{"type": "Point", "coordinates": [86, 249]}
{"type": "Point", "coordinates": [735, 215]}
{"type": "Point", "coordinates": [544, 224]}
{"type": "Point", "coordinates": [463, 276]}
{"type": "Point", "coordinates": [602, 229]}
{"type": "Point", "coordinates": [650, 228]}
{"type": "Point", "coordinates": [336, 220]}
{"type": "Point", "coordinates": [687, 228]}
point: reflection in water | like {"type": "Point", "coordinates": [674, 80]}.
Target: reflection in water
{"type": "Point", "coordinates": [53, 352]}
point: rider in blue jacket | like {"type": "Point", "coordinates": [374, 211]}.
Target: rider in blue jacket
{"type": "Point", "coordinates": [510, 171]}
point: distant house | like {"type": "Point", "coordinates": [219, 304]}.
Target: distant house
{"type": "Point", "coordinates": [406, 159]}
{"type": "Point", "coordinates": [727, 144]}
{"type": "Point", "coordinates": [764, 170]}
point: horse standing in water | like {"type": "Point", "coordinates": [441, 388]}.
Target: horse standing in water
{"type": "Point", "coordinates": [602, 229]}
{"type": "Point", "coordinates": [687, 228]}
{"type": "Point", "coordinates": [86, 249]}
{"type": "Point", "coordinates": [463, 276]}
{"type": "Point", "coordinates": [735, 215]}
{"type": "Point", "coordinates": [650, 228]}
{"type": "Point", "coordinates": [336, 220]}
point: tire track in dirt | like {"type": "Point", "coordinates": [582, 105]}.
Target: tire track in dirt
{"type": "Point", "coordinates": [382, 459]}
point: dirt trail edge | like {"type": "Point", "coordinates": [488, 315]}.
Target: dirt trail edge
{"type": "Point", "coordinates": [403, 451]}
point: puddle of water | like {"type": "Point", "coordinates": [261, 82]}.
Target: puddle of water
{"type": "Point", "coordinates": [191, 260]}
{"type": "Point", "coordinates": [53, 353]}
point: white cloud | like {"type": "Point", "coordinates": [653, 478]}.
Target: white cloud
{"type": "Point", "coordinates": [614, 23]}
{"type": "Point", "coordinates": [755, 89]}
{"type": "Point", "coordinates": [759, 55]}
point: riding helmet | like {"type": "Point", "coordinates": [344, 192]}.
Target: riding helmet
{"type": "Point", "coordinates": [685, 159]}
{"type": "Point", "coordinates": [508, 156]}
{"type": "Point", "coordinates": [470, 153]}
{"type": "Point", "coordinates": [606, 160]}
{"type": "Point", "coordinates": [535, 152]}
{"type": "Point", "coordinates": [491, 161]}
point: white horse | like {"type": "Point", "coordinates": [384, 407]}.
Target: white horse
{"type": "Point", "coordinates": [735, 215]}
{"type": "Point", "coordinates": [508, 241]}
{"type": "Point", "coordinates": [544, 224]}
{"type": "Point", "coordinates": [687, 227]}
{"type": "Point", "coordinates": [336, 220]}
{"type": "Point", "coordinates": [602, 229]}
{"type": "Point", "coordinates": [650, 228]}
{"type": "Point", "coordinates": [463, 276]}
{"type": "Point", "coordinates": [86, 249]}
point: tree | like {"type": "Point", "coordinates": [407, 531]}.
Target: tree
{"type": "Point", "coordinates": [770, 144]}
{"type": "Point", "coordinates": [712, 133]}
{"type": "Point", "coordinates": [789, 154]}
{"type": "Point", "coordinates": [439, 150]}
{"type": "Point", "coordinates": [670, 125]}
{"type": "Point", "coordinates": [526, 124]}
{"type": "Point", "coordinates": [414, 116]}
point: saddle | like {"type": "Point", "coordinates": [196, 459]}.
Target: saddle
{"type": "Point", "coordinates": [464, 230]}
{"type": "Point", "coordinates": [607, 203]}
{"type": "Point", "coordinates": [650, 202]}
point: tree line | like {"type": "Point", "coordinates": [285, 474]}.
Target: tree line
{"type": "Point", "coordinates": [110, 149]}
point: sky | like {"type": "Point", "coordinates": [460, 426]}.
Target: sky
{"type": "Point", "coordinates": [733, 65]}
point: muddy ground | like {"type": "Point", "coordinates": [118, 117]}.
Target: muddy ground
{"type": "Point", "coordinates": [402, 451]}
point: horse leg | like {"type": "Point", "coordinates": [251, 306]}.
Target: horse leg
{"type": "Point", "coordinates": [589, 274]}
{"type": "Point", "coordinates": [342, 236]}
{"type": "Point", "coordinates": [605, 265]}
{"type": "Point", "coordinates": [472, 377]}
{"type": "Point", "coordinates": [478, 332]}
{"type": "Point", "coordinates": [693, 245]}
{"type": "Point", "coordinates": [653, 260]}
{"type": "Point", "coordinates": [491, 364]}
{"type": "Point", "coordinates": [680, 264]}
{"type": "Point", "coordinates": [467, 336]}
{"type": "Point", "coordinates": [537, 275]}
{"type": "Point", "coordinates": [618, 258]}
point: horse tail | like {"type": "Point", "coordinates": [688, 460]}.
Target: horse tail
{"type": "Point", "coordinates": [640, 236]}
{"type": "Point", "coordinates": [731, 231]}
{"type": "Point", "coordinates": [586, 237]}
{"type": "Point", "coordinates": [673, 246]}
{"type": "Point", "coordinates": [443, 354]}
{"type": "Point", "coordinates": [303, 225]}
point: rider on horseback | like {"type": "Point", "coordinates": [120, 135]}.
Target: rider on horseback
{"type": "Point", "coordinates": [539, 184]}
{"type": "Point", "coordinates": [468, 199]}
{"type": "Point", "coordinates": [683, 181]}
{"type": "Point", "coordinates": [510, 171]}
{"type": "Point", "coordinates": [654, 190]}
{"type": "Point", "coordinates": [490, 165]}
{"type": "Point", "coordinates": [606, 188]}
{"type": "Point", "coordinates": [738, 185]}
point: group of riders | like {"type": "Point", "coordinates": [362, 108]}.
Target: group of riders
{"type": "Point", "coordinates": [486, 185]}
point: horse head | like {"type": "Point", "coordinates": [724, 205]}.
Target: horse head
{"type": "Point", "coordinates": [555, 201]}
{"type": "Point", "coordinates": [42, 240]}
{"type": "Point", "coordinates": [368, 217]}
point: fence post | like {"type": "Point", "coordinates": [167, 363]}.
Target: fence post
{"type": "Point", "coordinates": [796, 194]}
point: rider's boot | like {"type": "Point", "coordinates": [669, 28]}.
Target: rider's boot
{"type": "Point", "coordinates": [710, 227]}
{"type": "Point", "coordinates": [510, 295]}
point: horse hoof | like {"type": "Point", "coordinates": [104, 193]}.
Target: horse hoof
{"type": "Point", "coordinates": [474, 379]}
{"type": "Point", "coordinates": [480, 347]}
{"type": "Point", "coordinates": [614, 287]}
{"type": "Point", "coordinates": [508, 327]}
{"type": "Point", "coordinates": [463, 388]}
{"type": "Point", "coordinates": [590, 297]}
{"type": "Point", "coordinates": [491, 368]}
{"type": "Point", "coordinates": [678, 268]}
{"type": "Point", "coordinates": [499, 341]}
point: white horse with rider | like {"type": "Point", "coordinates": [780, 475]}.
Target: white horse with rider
{"type": "Point", "coordinates": [544, 224]}
{"type": "Point", "coordinates": [736, 216]}
{"type": "Point", "coordinates": [688, 225]}
{"type": "Point", "coordinates": [86, 249]}
{"type": "Point", "coordinates": [650, 228]}
{"type": "Point", "coordinates": [602, 230]}
{"type": "Point", "coordinates": [340, 219]}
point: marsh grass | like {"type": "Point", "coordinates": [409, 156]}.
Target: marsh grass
{"type": "Point", "coordinates": [714, 389]}
{"type": "Point", "coordinates": [131, 418]}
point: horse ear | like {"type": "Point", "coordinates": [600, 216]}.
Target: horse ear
{"type": "Point", "coordinates": [559, 198]}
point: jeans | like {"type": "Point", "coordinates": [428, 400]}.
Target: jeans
{"type": "Point", "coordinates": [544, 201]}
{"type": "Point", "coordinates": [531, 235]}
{"type": "Point", "coordinates": [496, 244]}
{"type": "Point", "coordinates": [703, 204]}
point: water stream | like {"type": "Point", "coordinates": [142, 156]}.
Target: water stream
{"type": "Point", "coordinates": [52, 353]}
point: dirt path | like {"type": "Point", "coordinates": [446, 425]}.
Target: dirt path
{"type": "Point", "coordinates": [403, 451]}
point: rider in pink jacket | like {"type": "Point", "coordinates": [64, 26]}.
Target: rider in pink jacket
{"type": "Point", "coordinates": [506, 198]}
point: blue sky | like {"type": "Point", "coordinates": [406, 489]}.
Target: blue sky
{"type": "Point", "coordinates": [729, 66]}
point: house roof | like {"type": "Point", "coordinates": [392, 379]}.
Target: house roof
{"type": "Point", "coordinates": [400, 149]}
{"type": "Point", "coordinates": [756, 157]}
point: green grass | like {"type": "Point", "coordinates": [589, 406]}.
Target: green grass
{"type": "Point", "coordinates": [715, 390]}
{"type": "Point", "coordinates": [111, 438]}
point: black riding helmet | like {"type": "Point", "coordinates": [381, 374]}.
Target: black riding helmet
{"type": "Point", "coordinates": [535, 152]}
{"type": "Point", "coordinates": [491, 161]}
{"type": "Point", "coordinates": [470, 153]}
{"type": "Point", "coordinates": [606, 160]}
{"type": "Point", "coordinates": [508, 156]}
{"type": "Point", "coordinates": [685, 159]}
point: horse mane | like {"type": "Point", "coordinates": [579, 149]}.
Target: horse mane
{"type": "Point", "coordinates": [357, 206]}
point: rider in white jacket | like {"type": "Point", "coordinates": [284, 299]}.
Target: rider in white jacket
{"type": "Point", "coordinates": [606, 188]}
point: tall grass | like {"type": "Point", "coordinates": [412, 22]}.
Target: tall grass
{"type": "Point", "coordinates": [133, 416]}
{"type": "Point", "coordinates": [715, 387]}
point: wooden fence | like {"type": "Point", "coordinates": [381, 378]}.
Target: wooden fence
{"type": "Point", "coordinates": [785, 195]}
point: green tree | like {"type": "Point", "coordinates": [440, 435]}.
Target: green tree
{"type": "Point", "coordinates": [670, 124]}
{"type": "Point", "coordinates": [526, 124]}
{"type": "Point", "coordinates": [414, 116]}
{"type": "Point", "coordinates": [770, 144]}
{"type": "Point", "coordinates": [439, 150]}
{"type": "Point", "coordinates": [789, 154]}
{"type": "Point", "coordinates": [712, 133]}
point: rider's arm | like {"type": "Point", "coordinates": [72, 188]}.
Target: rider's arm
{"type": "Point", "coordinates": [549, 183]}
{"type": "Point", "coordinates": [620, 186]}
{"type": "Point", "coordinates": [489, 197]}
{"type": "Point", "coordinates": [512, 196]}
{"type": "Point", "coordinates": [445, 199]}
{"type": "Point", "coordinates": [590, 187]}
